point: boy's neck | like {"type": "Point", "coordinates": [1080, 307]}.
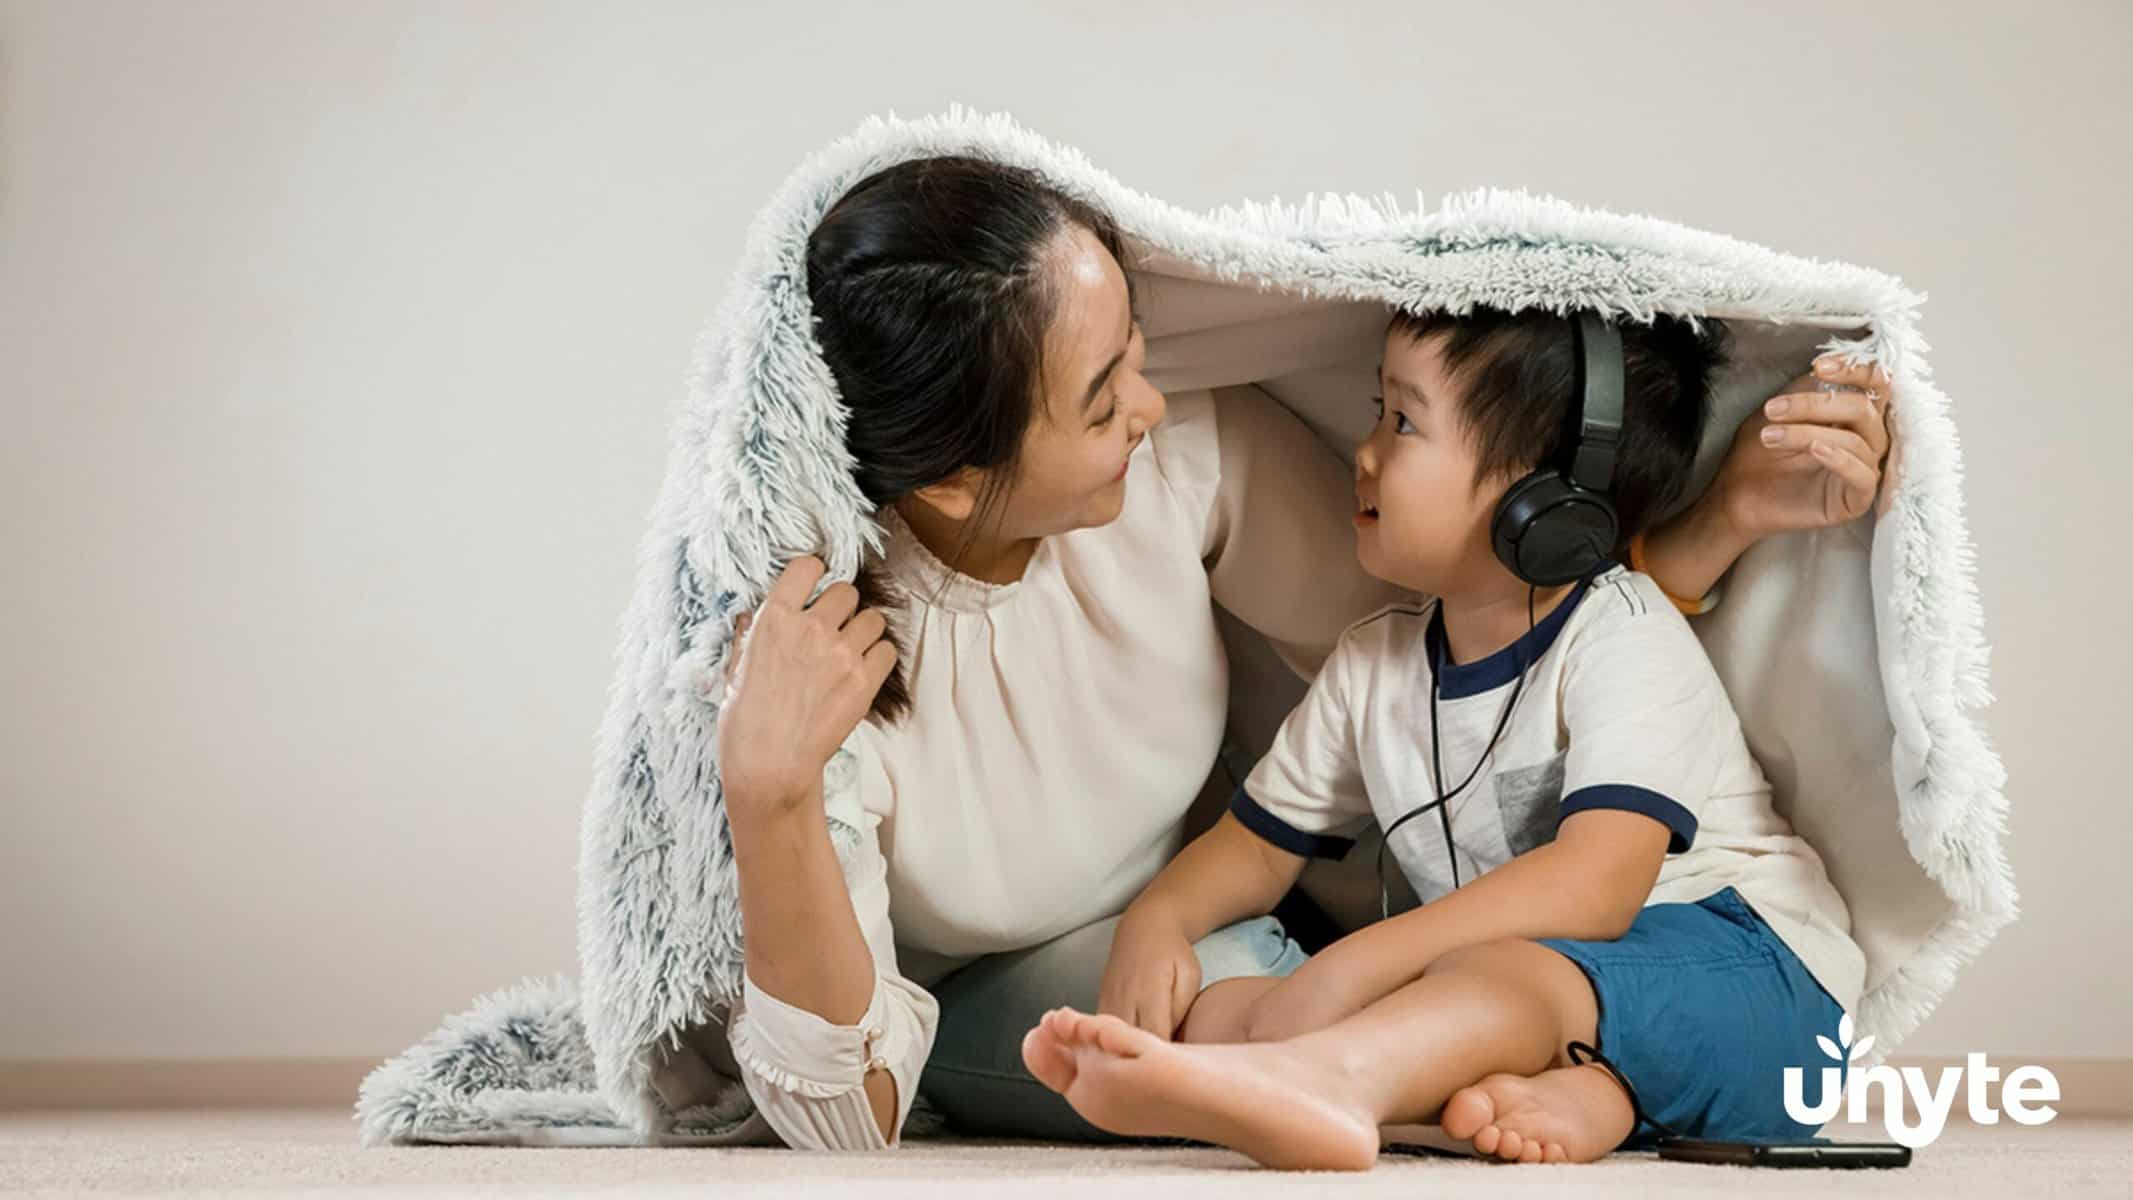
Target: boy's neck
{"type": "Point", "coordinates": [1480, 621]}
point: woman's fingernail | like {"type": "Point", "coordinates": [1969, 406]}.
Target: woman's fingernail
{"type": "Point", "coordinates": [1773, 435]}
{"type": "Point", "coordinates": [1778, 407]}
{"type": "Point", "coordinates": [1825, 366]}
{"type": "Point", "coordinates": [1822, 450]}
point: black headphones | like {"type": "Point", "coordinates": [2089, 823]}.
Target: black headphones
{"type": "Point", "coordinates": [1557, 524]}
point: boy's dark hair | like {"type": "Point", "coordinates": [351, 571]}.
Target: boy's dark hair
{"type": "Point", "coordinates": [1519, 375]}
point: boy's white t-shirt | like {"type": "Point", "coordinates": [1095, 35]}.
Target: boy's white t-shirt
{"type": "Point", "coordinates": [1620, 709]}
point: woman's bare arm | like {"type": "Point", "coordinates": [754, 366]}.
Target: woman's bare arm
{"type": "Point", "coordinates": [806, 675]}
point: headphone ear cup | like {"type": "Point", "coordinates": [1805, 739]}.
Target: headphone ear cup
{"type": "Point", "coordinates": [1548, 530]}
{"type": "Point", "coordinates": [1522, 504]}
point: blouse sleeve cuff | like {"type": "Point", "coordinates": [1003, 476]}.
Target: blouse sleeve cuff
{"type": "Point", "coordinates": [796, 1051]}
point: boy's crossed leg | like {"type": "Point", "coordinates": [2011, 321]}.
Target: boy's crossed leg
{"type": "Point", "coordinates": [1223, 1013]}
{"type": "Point", "coordinates": [1474, 1045]}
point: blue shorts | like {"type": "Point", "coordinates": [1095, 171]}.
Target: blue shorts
{"type": "Point", "coordinates": [1702, 1008]}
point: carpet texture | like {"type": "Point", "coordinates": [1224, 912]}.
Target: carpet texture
{"type": "Point", "coordinates": [291, 1153]}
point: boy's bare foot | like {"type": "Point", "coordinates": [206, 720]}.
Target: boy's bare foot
{"type": "Point", "coordinates": [1265, 1100]}
{"type": "Point", "coordinates": [1570, 1114]}
{"type": "Point", "coordinates": [1048, 1058]}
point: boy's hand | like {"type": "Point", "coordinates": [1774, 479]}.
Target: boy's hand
{"type": "Point", "coordinates": [1152, 976]}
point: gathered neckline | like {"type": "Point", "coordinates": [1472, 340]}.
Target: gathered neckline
{"type": "Point", "coordinates": [928, 581]}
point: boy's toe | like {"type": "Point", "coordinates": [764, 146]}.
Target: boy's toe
{"type": "Point", "coordinates": [1118, 1037]}
{"type": "Point", "coordinates": [1468, 1112]}
{"type": "Point", "coordinates": [1048, 1059]}
{"type": "Point", "coordinates": [1074, 1026]}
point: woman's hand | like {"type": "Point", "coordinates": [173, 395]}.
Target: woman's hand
{"type": "Point", "coordinates": [1152, 976]}
{"type": "Point", "coordinates": [1811, 457]}
{"type": "Point", "coordinates": [1808, 458]}
{"type": "Point", "coordinates": [800, 680]}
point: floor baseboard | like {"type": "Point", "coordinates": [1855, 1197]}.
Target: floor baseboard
{"type": "Point", "coordinates": [2088, 1087]}
{"type": "Point", "coordinates": [151, 1083]}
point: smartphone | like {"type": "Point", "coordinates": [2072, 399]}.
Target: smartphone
{"type": "Point", "coordinates": [1786, 1154]}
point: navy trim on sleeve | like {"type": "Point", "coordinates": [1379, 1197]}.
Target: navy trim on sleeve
{"type": "Point", "coordinates": [1679, 821]}
{"type": "Point", "coordinates": [1283, 835]}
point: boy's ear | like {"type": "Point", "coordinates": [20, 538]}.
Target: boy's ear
{"type": "Point", "coordinates": [955, 497]}
{"type": "Point", "coordinates": [1495, 485]}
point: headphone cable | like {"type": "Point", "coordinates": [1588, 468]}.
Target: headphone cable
{"type": "Point", "coordinates": [1442, 804]}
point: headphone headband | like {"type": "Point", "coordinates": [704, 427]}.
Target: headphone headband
{"type": "Point", "coordinates": [1599, 417]}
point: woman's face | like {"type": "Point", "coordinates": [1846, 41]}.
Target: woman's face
{"type": "Point", "coordinates": [1094, 406]}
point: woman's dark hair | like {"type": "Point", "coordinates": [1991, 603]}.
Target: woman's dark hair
{"type": "Point", "coordinates": [1519, 374]}
{"type": "Point", "coordinates": [932, 295]}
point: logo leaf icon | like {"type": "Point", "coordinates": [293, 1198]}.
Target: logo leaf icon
{"type": "Point", "coordinates": [1844, 1029]}
{"type": "Point", "coordinates": [1860, 1048]}
{"type": "Point", "coordinates": [1830, 1048]}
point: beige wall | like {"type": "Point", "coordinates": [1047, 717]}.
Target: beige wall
{"type": "Point", "coordinates": [338, 347]}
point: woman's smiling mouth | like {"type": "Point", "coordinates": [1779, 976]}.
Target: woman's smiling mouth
{"type": "Point", "coordinates": [1128, 464]}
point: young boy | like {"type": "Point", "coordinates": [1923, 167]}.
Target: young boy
{"type": "Point", "coordinates": [1604, 869]}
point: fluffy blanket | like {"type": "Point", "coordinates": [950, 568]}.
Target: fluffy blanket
{"type": "Point", "coordinates": [1854, 655]}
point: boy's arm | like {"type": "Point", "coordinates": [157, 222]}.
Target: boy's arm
{"type": "Point", "coordinates": [1226, 874]}
{"type": "Point", "coordinates": [1308, 786]}
{"type": "Point", "coordinates": [1589, 883]}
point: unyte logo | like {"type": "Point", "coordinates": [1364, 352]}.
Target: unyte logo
{"type": "Point", "coordinates": [2026, 1095]}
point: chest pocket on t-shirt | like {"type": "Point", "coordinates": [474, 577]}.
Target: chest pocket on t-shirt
{"type": "Point", "coordinates": [1528, 800]}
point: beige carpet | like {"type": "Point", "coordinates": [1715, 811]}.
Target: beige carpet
{"type": "Point", "coordinates": [301, 1152]}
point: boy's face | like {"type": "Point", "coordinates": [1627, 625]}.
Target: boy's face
{"type": "Point", "coordinates": [1421, 522]}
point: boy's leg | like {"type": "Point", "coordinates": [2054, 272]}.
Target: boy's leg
{"type": "Point", "coordinates": [977, 1076]}
{"type": "Point", "coordinates": [1223, 1011]}
{"type": "Point", "coordinates": [1316, 1101]}
{"type": "Point", "coordinates": [1238, 964]}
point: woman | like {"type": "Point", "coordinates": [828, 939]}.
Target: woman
{"type": "Point", "coordinates": [1055, 687]}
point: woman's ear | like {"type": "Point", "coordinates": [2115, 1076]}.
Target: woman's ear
{"type": "Point", "coordinates": [955, 497]}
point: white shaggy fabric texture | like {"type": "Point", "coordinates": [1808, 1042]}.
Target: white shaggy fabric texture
{"type": "Point", "coordinates": [1854, 656]}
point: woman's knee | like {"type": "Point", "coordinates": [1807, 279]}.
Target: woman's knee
{"type": "Point", "coordinates": [1256, 948]}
